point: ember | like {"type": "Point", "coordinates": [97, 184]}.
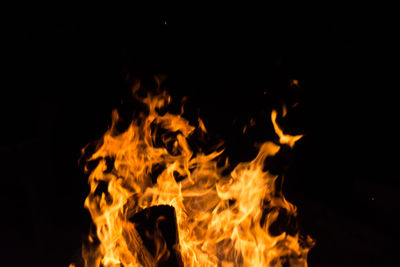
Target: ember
{"type": "Point", "coordinates": [156, 202]}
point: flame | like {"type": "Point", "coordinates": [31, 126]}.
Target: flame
{"type": "Point", "coordinates": [283, 138]}
{"type": "Point", "coordinates": [284, 110]}
{"type": "Point", "coordinates": [202, 126]}
{"type": "Point", "coordinates": [221, 219]}
{"type": "Point", "coordinates": [294, 82]}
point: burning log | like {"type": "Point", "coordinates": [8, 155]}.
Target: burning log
{"type": "Point", "coordinates": [158, 229]}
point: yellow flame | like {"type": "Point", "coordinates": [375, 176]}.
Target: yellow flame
{"type": "Point", "coordinates": [283, 138]}
{"type": "Point", "coordinates": [220, 218]}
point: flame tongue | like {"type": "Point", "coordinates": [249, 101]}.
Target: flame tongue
{"type": "Point", "coordinates": [220, 219]}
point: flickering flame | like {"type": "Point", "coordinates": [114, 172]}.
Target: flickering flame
{"type": "Point", "coordinates": [283, 138]}
{"type": "Point", "coordinates": [294, 82]}
{"type": "Point", "coordinates": [221, 218]}
{"type": "Point", "coordinates": [284, 110]}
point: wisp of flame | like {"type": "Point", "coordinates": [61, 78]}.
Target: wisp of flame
{"type": "Point", "coordinates": [220, 218]}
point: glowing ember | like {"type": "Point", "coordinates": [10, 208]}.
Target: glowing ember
{"type": "Point", "coordinates": [221, 219]}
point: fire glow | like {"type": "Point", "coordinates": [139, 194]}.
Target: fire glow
{"type": "Point", "coordinates": [221, 219]}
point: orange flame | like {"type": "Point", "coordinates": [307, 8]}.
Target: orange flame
{"type": "Point", "coordinates": [220, 218]}
{"type": "Point", "coordinates": [283, 138]}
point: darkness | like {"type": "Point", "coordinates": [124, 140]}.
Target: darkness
{"type": "Point", "coordinates": [64, 70]}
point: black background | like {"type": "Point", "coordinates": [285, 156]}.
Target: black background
{"type": "Point", "coordinates": [64, 69]}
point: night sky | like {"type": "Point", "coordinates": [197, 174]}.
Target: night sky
{"type": "Point", "coordinates": [65, 68]}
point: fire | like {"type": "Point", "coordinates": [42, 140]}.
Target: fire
{"type": "Point", "coordinates": [283, 138]}
{"type": "Point", "coordinates": [221, 219]}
